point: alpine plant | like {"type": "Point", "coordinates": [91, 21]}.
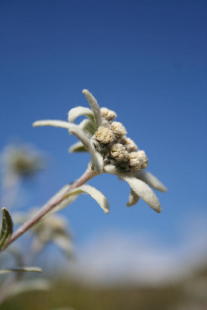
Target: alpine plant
{"type": "Point", "coordinates": [111, 150]}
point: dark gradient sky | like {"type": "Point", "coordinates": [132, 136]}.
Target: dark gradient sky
{"type": "Point", "coordinates": [147, 60]}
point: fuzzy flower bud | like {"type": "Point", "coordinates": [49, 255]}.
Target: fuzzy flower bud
{"type": "Point", "coordinates": [138, 160]}
{"type": "Point", "coordinates": [118, 129]}
{"type": "Point", "coordinates": [108, 114]}
{"type": "Point", "coordinates": [119, 153]}
{"type": "Point", "coordinates": [104, 135]}
{"type": "Point", "coordinates": [129, 144]}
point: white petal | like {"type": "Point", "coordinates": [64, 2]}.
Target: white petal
{"type": "Point", "coordinates": [94, 106]}
{"type": "Point", "coordinates": [95, 194]}
{"type": "Point", "coordinates": [79, 111]}
{"type": "Point", "coordinates": [133, 198]}
{"type": "Point", "coordinates": [144, 191]}
{"type": "Point", "coordinates": [77, 147]}
{"type": "Point", "coordinates": [151, 180]}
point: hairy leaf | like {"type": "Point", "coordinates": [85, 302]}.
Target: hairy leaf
{"type": "Point", "coordinates": [88, 126]}
{"type": "Point", "coordinates": [143, 191]}
{"type": "Point", "coordinates": [133, 198]}
{"type": "Point", "coordinates": [97, 159]}
{"type": "Point", "coordinates": [94, 106]}
{"type": "Point", "coordinates": [77, 147]}
{"type": "Point", "coordinates": [151, 180]}
{"type": "Point", "coordinates": [94, 193]}
{"type": "Point", "coordinates": [76, 112]}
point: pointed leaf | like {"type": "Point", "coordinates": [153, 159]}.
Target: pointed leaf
{"type": "Point", "coordinates": [95, 194]}
{"type": "Point", "coordinates": [79, 133]}
{"type": "Point", "coordinates": [76, 112]}
{"type": "Point", "coordinates": [53, 123]}
{"type": "Point", "coordinates": [94, 106]}
{"type": "Point", "coordinates": [6, 228]}
{"type": "Point", "coordinates": [151, 180]}
{"type": "Point", "coordinates": [143, 191]}
{"type": "Point", "coordinates": [88, 126]}
{"type": "Point", "coordinates": [97, 159]}
{"type": "Point", "coordinates": [77, 147]}
{"type": "Point", "coordinates": [111, 169]}
{"type": "Point", "coordinates": [65, 202]}
{"type": "Point", "coordinates": [133, 198]}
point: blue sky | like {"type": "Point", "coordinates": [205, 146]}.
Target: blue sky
{"type": "Point", "coordinates": [144, 59]}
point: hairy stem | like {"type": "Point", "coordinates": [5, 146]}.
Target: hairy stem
{"type": "Point", "coordinates": [50, 205]}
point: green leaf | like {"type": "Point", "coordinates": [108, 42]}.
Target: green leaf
{"type": "Point", "coordinates": [6, 227]}
{"type": "Point", "coordinates": [22, 269]}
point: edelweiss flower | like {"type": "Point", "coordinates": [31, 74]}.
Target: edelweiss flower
{"type": "Point", "coordinates": [111, 150]}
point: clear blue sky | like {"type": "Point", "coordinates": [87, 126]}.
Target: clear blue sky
{"type": "Point", "coordinates": [147, 60]}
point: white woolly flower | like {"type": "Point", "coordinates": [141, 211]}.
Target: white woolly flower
{"type": "Point", "coordinates": [118, 129]}
{"type": "Point", "coordinates": [104, 135]}
{"type": "Point", "coordinates": [138, 160]}
{"type": "Point", "coordinates": [111, 151]}
{"type": "Point", "coordinates": [119, 153]}
{"type": "Point", "coordinates": [129, 144]}
{"type": "Point", "coordinates": [108, 114]}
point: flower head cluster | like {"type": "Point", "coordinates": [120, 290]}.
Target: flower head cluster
{"type": "Point", "coordinates": [110, 148]}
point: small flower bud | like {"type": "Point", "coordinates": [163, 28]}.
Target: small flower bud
{"type": "Point", "coordinates": [129, 144]}
{"type": "Point", "coordinates": [119, 153]}
{"type": "Point", "coordinates": [108, 114]}
{"type": "Point", "coordinates": [138, 160]}
{"type": "Point", "coordinates": [104, 135]}
{"type": "Point", "coordinates": [118, 129]}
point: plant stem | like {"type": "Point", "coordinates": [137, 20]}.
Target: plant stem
{"type": "Point", "coordinates": [50, 205]}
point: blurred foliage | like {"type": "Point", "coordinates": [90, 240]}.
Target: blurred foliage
{"type": "Point", "coordinates": [22, 160]}
{"type": "Point", "coordinates": [190, 293]}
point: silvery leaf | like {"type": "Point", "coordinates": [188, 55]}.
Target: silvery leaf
{"type": "Point", "coordinates": [133, 198]}
{"type": "Point", "coordinates": [53, 123]}
{"type": "Point", "coordinates": [95, 194]}
{"type": "Point", "coordinates": [143, 191]}
{"type": "Point", "coordinates": [94, 106]}
{"type": "Point", "coordinates": [63, 203]}
{"type": "Point", "coordinates": [79, 133]}
{"type": "Point", "coordinates": [97, 159]}
{"type": "Point", "coordinates": [88, 126]}
{"type": "Point", "coordinates": [22, 269]}
{"type": "Point", "coordinates": [77, 147]}
{"type": "Point", "coordinates": [151, 180]}
{"type": "Point", "coordinates": [111, 169]}
{"type": "Point", "coordinates": [76, 112]}
{"type": "Point", "coordinates": [6, 227]}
